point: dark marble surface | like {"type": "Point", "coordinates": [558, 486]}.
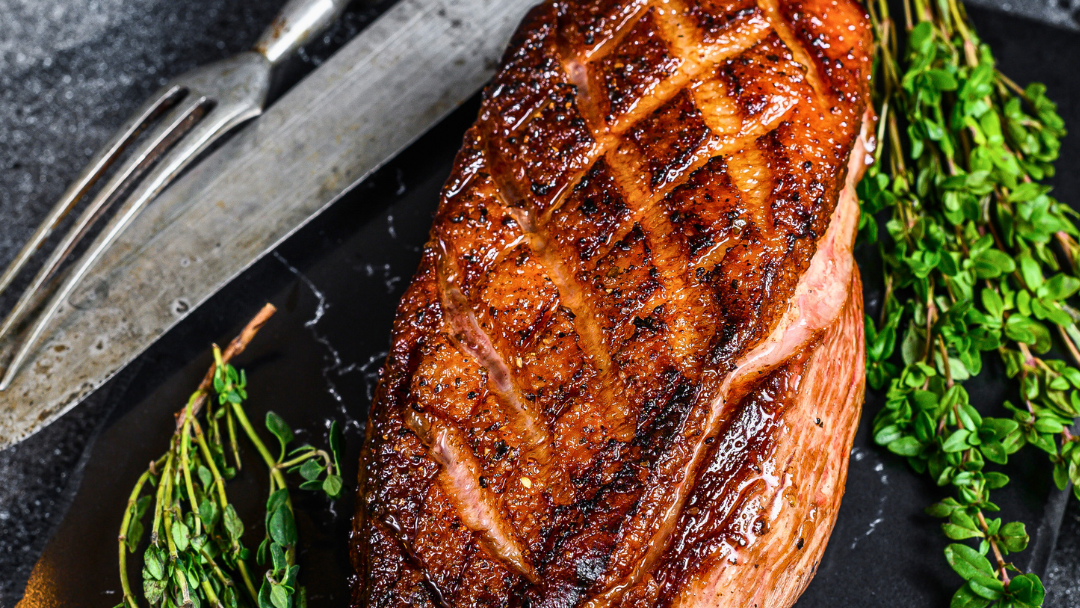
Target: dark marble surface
{"type": "Point", "coordinates": [70, 71]}
{"type": "Point", "coordinates": [1059, 13]}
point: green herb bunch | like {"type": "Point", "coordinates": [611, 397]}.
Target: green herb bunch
{"type": "Point", "coordinates": [196, 555]}
{"type": "Point", "coordinates": [979, 260]}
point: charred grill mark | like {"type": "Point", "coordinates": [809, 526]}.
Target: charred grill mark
{"type": "Point", "coordinates": [798, 200]}
{"type": "Point", "coordinates": [743, 283]}
{"type": "Point", "coordinates": [650, 447]}
{"type": "Point", "coordinates": [571, 291]}
{"type": "Point", "coordinates": [677, 28]}
{"type": "Point", "coordinates": [591, 27]}
{"type": "Point", "coordinates": [690, 62]}
{"type": "Point", "coordinates": [627, 264]}
{"type": "Point", "coordinates": [540, 159]}
{"type": "Point", "coordinates": [657, 227]}
{"type": "Point", "coordinates": [536, 137]}
{"type": "Point", "coordinates": [564, 278]}
{"type": "Point", "coordinates": [838, 46]}
{"type": "Point", "coordinates": [646, 534]}
{"type": "Point", "coordinates": [690, 313]}
{"type": "Point", "coordinates": [589, 99]}
{"type": "Point", "coordinates": [793, 206]}
{"type": "Point", "coordinates": [705, 212]}
{"type": "Point", "coordinates": [573, 145]}
{"type": "Point", "coordinates": [626, 246]}
{"type": "Point", "coordinates": [622, 282]}
{"type": "Point", "coordinates": [567, 148]}
{"type": "Point", "coordinates": [530, 72]}
{"type": "Point", "coordinates": [677, 139]}
{"type": "Point", "coordinates": [584, 535]}
{"type": "Point", "coordinates": [496, 341]}
{"type": "Point", "coordinates": [765, 81]}
{"type": "Point", "coordinates": [574, 295]}
{"type": "Point", "coordinates": [517, 309]}
{"type": "Point", "coordinates": [573, 238]}
{"type": "Point", "coordinates": [645, 356]}
{"type": "Point", "coordinates": [669, 138]}
{"type": "Point", "coordinates": [635, 67]}
{"type": "Point", "coordinates": [737, 471]}
{"type": "Point", "coordinates": [799, 203]}
{"type": "Point", "coordinates": [772, 10]}
{"type": "Point", "coordinates": [596, 210]}
{"type": "Point", "coordinates": [693, 62]}
{"type": "Point", "coordinates": [716, 18]}
{"type": "Point", "coordinates": [437, 596]}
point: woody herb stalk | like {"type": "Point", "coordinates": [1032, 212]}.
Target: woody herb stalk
{"type": "Point", "coordinates": [979, 261]}
{"type": "Point", "coordinates": [196, 556]}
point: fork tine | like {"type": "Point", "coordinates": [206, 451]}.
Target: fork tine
{"type": "Point", "coordinates": [212, 126]}
{"type": "Point", "coordinates": [173, 127]}
{"type": "Point", "coordinates": [157, 143]}
{"type": "Point", "coordinates": [99, 163]}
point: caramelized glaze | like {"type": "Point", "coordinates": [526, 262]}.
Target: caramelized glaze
{"type": "Point", "coordinates": [629, 368]}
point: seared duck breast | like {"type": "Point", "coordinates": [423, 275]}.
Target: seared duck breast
{"type": "Point", "coordinates": [630, 366]}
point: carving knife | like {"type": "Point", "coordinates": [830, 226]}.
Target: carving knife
{"type": "Point", "coordinates": [370, 100]}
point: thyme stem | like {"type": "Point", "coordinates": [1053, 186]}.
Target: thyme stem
{"type": "Point", "coordinates": [124, 524]}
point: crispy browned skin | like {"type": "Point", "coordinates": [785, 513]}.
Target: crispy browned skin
{"type": "Point", "coordinates": [629, 368]}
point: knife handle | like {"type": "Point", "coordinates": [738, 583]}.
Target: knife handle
{"type": "Point", "coordinates": [297, 23]}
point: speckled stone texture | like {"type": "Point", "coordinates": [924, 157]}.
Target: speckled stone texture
{"type": "Point", "coordinates": [36, 486]}
{"type": "Point", "coordinates": [1062, 579]}
{"type": "Point", "coordinates": [72, 70]}
{"type": "Point", "coordinates": [70, 73]}
{"type": "Point", "coordinates": [1060, 13]}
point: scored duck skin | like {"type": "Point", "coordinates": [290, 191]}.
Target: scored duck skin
{"type": "Point", "coordinates": [630, 366]}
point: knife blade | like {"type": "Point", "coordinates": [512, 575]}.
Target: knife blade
{"type": "Point", "coordinates": [369, 101]}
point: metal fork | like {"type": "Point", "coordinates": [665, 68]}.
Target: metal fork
{"type": "Point", "coordinates": [191, 112]}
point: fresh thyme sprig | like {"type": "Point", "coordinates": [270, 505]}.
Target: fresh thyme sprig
{"type": "Point", "coordinates": [978, 258]}
{"type": "Point", "coordinates": [196, 555]}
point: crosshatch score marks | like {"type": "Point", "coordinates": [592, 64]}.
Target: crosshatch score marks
{"type": "Point", "coordinates": [633, 160]}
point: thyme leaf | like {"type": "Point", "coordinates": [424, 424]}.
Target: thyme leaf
{"type": "Point", "coordinates": [196, 555]}
{"type": "Point", "coordinates": [979, 261]}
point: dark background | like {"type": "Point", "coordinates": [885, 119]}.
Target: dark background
{"type": "Point", "coordinates": [72, 70]}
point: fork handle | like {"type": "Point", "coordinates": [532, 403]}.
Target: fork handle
{"type": "Point", "coordinates": [297, 23]}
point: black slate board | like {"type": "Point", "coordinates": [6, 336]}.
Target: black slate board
{"type": "Point", "coordinates": [336, 284]}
